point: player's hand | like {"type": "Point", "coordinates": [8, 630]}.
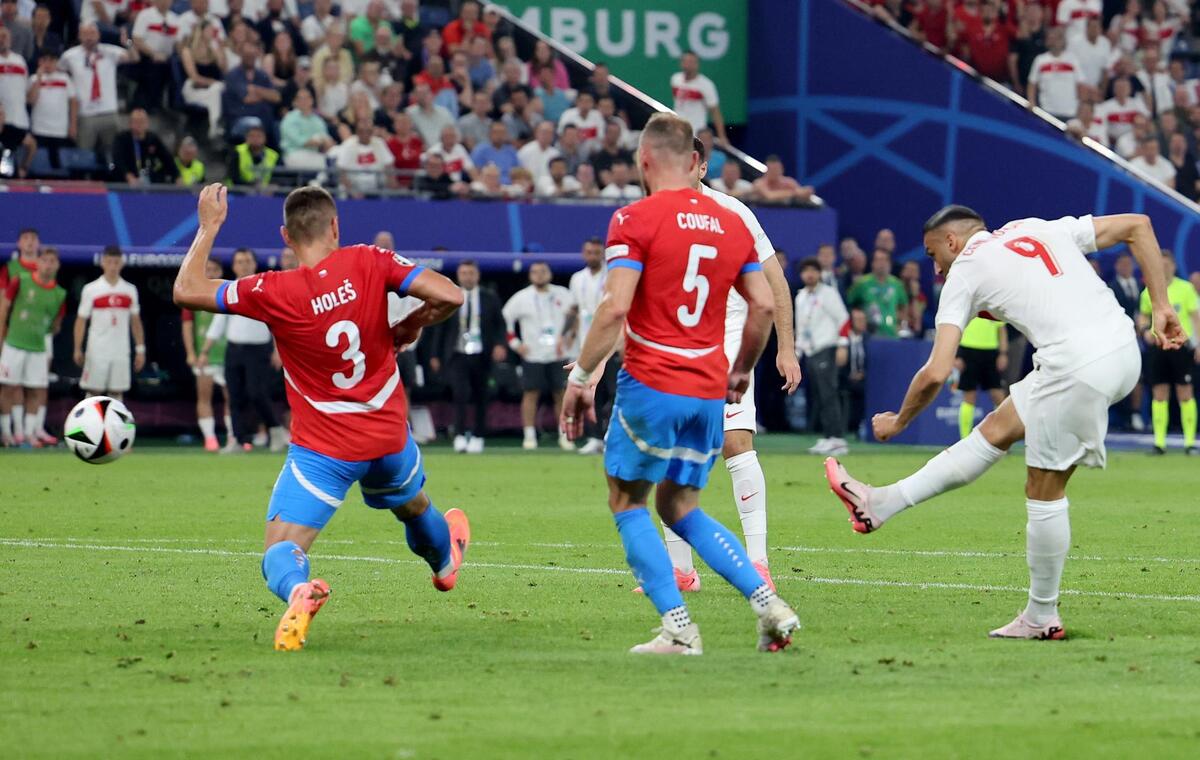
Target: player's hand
{"type": "Point", "coordinates": [139, 362]}
{"type": "Point", "coordinates": [1001, 362]}
{"type": "Point", "coordinates": [523, 350]}
{"type": "Point", "coordinates": [435, 364]}
{"type": "Point", "coordinates": [886, 426]}
{"type": "Point", "coordinates": [578, 406]}
{"type": "Point", "coordinates": [1168, 329]}
{"type": "Point", "coordinates": [404, 334]}
{"type": "Point", "coordinates": [78, 358]}
{"type": "Point", "coordinates": [738, 383]}
{"type": "Point", "coordinates": [212, 206]}
{"type": "Point", "coordinates": [789, 369]}
{"type": "Point", "coordinates": [201, 360]}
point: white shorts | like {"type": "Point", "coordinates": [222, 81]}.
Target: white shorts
{"type": "Point", "coordinates": [744, 414]}
{"type": "Point", "coordinates": [1066, 416]}
{"type": "Point", "coordinates": [215, 371]}
{"type": "Point", "coordinates": [27, 369]}
{"type": "Point", "coordinates": [105, 373]}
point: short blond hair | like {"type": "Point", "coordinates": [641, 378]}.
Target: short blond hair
{"type": "Point", "coordinates": [668, 133]}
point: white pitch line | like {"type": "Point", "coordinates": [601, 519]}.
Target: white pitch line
{"type": "Point", "coordinates": [920, 585]}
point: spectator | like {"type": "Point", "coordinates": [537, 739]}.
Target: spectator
{"type": "Point", "coordinates": [203, 59]}
{"type": "Point", "coordinates": [827, 260]}
{"type": "Point", "coordinates": [197, 14]}
{"type": "Point", "coordinates": [571, 149]}
{"type": "Point", "coordinates": [476, 123]}
{"type": "Point", "coordinates": [53, 106]}
{"type": "Point", "coordinates": [273, 21]}
{"type": "Point", "coordinates": [506, 52]}
{"type": "Point", "coordinates": [1085, 124]}
{"type": "Point", "coordinates": [1092, 51]}
{"type": "Point", "coordinates": [334, 47]}
{"type": "Point", "coordinates": [1187, 176]}
{"type": "Point", "coordinates": [557, 183]}
{"type": "Point", "coordinates": [598, 83]}
{"type": "Point", "coordinates": [108, 313]}
{"type": "Point", "coordinates": [465, 29]}
{"type": "Point", "coordinates": [93, 69]}
{"type": "Point", "coordinates": [188, 165]}
{"type": "Point", "coordinates": [585, 175]}
{"type": "Point", "coordinates": [1119, 112]}
{"type": "Point", "coordinates": [435, 181]}
{"type": "Point", "coordinates": [409, 26]}
{"type": "Point", "coordinates": [775, 187]}
{"type": "Point", "coordinates": [497, 152]}
{"type": "Point", "coordinates": [362, 28]}
{"type": "Point", "coordinates": [469, 343]}
{"type": "Point", "coordinates": [333, 94]}
{"type": "Point", "coordinates": [281, 63]}
{"type": "Point", "coordinates": [406, 147]}
{"type": "Point", "coordinates": [1124, 29]}
{"type": "Point", "coordinates": [1028, 42]}
{"type": "Point", "coordinates": [609, 152]}
{"type": "Point", "coordinates": [510, 84]}
{"type": "Point", "coordinates": [488, 185]}
{"type": "Point", "coordinates": [434, 76]}
{"type": "Point", "coordinates": [731, 183]}
{"type": "Point", "coordinates": [1055, 79]}
{"type": "Point", "coordinates": [252, 162]}
{"type": "Point", "coordinates": [369, 82]}
{"type": "Point", "coordinates": [316, 24]}
{"type": "Point", "coordinates": [391, 102]}
{"type": "Point", "coordinates": [1129, 144]}
{"type": "Point", "coordinates": [885, 240]}
{"type": "Point", "coordinates": [1161, 30]}
{"type": "Point", "coordinates": [913, 316]}
{"type": "Point", "coordinates": [536, 154]}
{"type": "Point", "coordinates": [608, 110]}
{"type": "Point", "coordinates": [988, 43]}
{"type": "Point", "coordinates": [154, 35]}
{"type": "Point", "coordinates": [1183, 88]}
{"type": "Point", "coordinates": [965, 18]}
{"type": "Point", "coordinates": [480, 65]}
{"type": "Point", "coordinates": [711, 156]}
{"type": "Point", "coordinates": [1151, 163]}
{"type": "Point", "coordinates": [139, 156]}
{"type": "Point", "coordinates": [854, 264]}
{"type": "Point", "coordinates": [428, 119]}
{"type": "Point", "coordinates": [521, 118]}
{"type": "Point", "coordinates": [249, 93]}
{"type": "Point", "coordinates": [520, 183]}
{"type": "Point", "coordinates": [881, 295]}
{"type": "Point", "coordinates": [543, 54]}
{"type": "Point", "coordinates": [554, 101]}
{"type": "Point", "coordinates": [852, 360]}
{"type": "Point", "coordinates": [535, 318]}
{"type": "Point", "coordinates": [696, 96]}
{"type": "Point", "coordinates": [109, 14]}
{"type": "Point", "coordinates": [44, 38]}
{"type": "Point", "coordinates": [460, 77]}
{"type": "Point", "coordinates": [820, 316]}
{"type": "Point", "coordinates": [304, 136]}
{"type": "Point", "coordinates": [364, 161]}
{"type": "Point", "coordinates": [1156, 82]}
{"type": "Point", "coordinates": [930, 22]}
{"type": "Point", "coordinates": [458, 161]}
{"type": "Point", "coordinates": [249, 359]}
{"type": "Point", "coordinates": [1074, 15]}
{"type": "Point", "coordinates": [586, 117]}
{"type": "Point", "coordinates": [620, 185]}
{"type": "Point", "coordinates": [21, 36]}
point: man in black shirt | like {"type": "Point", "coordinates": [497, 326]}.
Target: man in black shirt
{"type": "Point", "coordinates": [140, 156]}
{"type": "Point", "coordinates": [1028, 43]}
{"type": "Point", "coordinates": [610, 152]}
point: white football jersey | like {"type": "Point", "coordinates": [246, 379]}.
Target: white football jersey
{"type": "Point", "coordinates": [1033, 274]}
{"type": "Point", "coordinates": [735, 306]}
{"type": "Point", "coordinates": [108, 307]}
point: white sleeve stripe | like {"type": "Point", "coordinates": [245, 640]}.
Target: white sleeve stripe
{"type": "Point", "coordinates": [615, 252]}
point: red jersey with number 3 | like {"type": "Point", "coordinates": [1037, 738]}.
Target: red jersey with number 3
{"type": "Point", "coordinates": [690, 250]}
{"type": "Point", "coordinates": [330, 324]}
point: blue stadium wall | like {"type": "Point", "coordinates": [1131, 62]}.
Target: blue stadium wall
{"type": "Point", "coordinates": [889, 133]}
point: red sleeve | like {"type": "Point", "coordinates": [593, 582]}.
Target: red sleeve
{"type": "Point", "coordinates": [626, 246]}
{"type": "Point", "coordinates": [62, 310]}
{"type": "Point", "coordinates": [186, 315]}
{"type": "Point", "coordinates": [11, 288]}
{"type": "Point", "coordinates": [259, 296]}
{"type": "Point", "coordinates": [398, 272]}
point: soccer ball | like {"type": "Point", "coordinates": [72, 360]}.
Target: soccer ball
{"type": "Point", "coordinates": [99, 429]}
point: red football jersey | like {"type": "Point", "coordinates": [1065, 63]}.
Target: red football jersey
{"type": "Point", "coordinates": [690, 250]}
{"type": "Point", "coordinates": [331, 330]}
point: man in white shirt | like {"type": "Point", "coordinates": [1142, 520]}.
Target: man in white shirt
{"type": "Point", "coordinates": [696, 96]}
{"type": "Point", "coordinates": [585, 116]}
{"type": "Point", "coordinates": [535, 318]}
{"type": "Point", "coordinates": [14, 81]}
{"type": "Point", "coordinates": [108, 313]}
{"type": "Point", "coordinates": [428, 118]}
{"type": "Point", "coordinates": [1118, 112]}
{"type": "Point", "coordinates": [621, 186]}
{"type": "Point", "coordinates": [535, 155]}
{"type": "Point", "coordinates": [1074, 15]}
{"type": "Point", "coordinates": [1033, 274]}
{"type": "Point", "coordinates": [458, 161]}
{"type": "Point", "coordinates": [54, 106]}
{"type": "Point", "coordinates": [557, 183]}
{"type": "Point", "coordinates": [314, 26]}
{"type": "Point", "coordinates": [820, 317]}
{"type": "Point", "coordinates": [93, 69]}
{"type": "Point", "coordinates": [587, 289]}
{"type": "Point", "coordinates": [155, 32]}
{"type": "Point", "coordinates": [1055, 77]}
{"type": "Point", "coordinates": [198, 10]}
{"type": "Point", "coordinates": [1159, 89]}
{"type": "Point", "coordinates": [1092, 51]}
{"type": "Point", "coordinates": [109, 14]}
{"type": "Point", "coordinates": [1149, 161]}
{"type": "Point", "coordinates": [730, 182]}
{"type": "Point", "coordinates": [364, 160]}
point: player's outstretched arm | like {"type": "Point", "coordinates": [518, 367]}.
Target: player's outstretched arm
{"type": "Point", "coordinates": [441, 299]}
{"type": "Point", "coordinates": [924, 386]}
{"type": "Point", "coordinates": [1136, 231]}
{"type": "Point", "coordinates": [193, 289]}
{"type": "Point", "coordinates": [785, 358]}
{"type": "Point", "coordinates": [760, 301]}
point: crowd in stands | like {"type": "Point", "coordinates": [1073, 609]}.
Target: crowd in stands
{"type": "Point", "coordinates": [367, 95]}
{"type": "Point", "coordinates": [1123, 73]}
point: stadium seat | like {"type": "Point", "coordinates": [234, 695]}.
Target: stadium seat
{"type": "Point", "coordinates": [41, 167]}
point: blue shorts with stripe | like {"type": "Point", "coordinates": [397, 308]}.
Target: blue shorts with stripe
{"type": "Point", "coordinates": [658, 436]}
{"type": "Point", "coordinates": [312, 486]}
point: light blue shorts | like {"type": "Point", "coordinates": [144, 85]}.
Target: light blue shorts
{"type": "Point", "coordinates": [312, 486]}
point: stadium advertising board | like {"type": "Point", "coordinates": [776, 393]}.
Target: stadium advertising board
{"type": "Point", "coordinates": [642, 43]}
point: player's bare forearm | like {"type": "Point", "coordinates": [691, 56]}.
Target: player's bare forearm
{"type": "Point", "coordinates": [602, 338]}
{"type": "Point", "coordinates": [929, 379]}
{"type": "Point", "coordinates": [193, 289]}
{"type": "Point", "coordinates": [1135, 231]}
{"type": "Point", "coordinates": [782, 294]}
{"type": "Point", "coordinates": [440, 295]}
{"type": "Point", "coordinates": [4, 308]}
{"type": "Point", "coordinates": [760, 304]}
{"type": "Point", "coordinates": [80, 329]}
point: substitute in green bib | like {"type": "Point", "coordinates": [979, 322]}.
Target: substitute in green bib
{"type": "Point", "coordinates": [982, 359]}
{"type": "Point", "coordinates": [1167, 368]}
{"type": "Point", "coordinates": [208, 367]}
{"type": "Point", "coordinates": [32, 309]}
{"type": "Point", "coordinates": [880, 295]}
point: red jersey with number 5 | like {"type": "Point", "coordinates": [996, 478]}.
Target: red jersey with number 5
{"type": "Point", "coordinates": [690, 250]}
{"type": "Point", "coordinates": [330, 324]}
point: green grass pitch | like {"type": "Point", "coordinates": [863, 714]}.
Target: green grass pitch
{"type": "Point", "coordinates": [134, 621]}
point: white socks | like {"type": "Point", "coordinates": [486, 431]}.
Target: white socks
{"type": "Point", "coordinates": [208, 427]}
{"type": "Point", "coordinates": [679, 550]}
{"type": "Point", "coordinates": [530, 433]}
{"type": "Point", "coordinates": [40, 420]}
{"type": "Point", "coordinates": [1047, 539]}
{"type": "Point", "coordinates": [750, 496]}
{"type": "Point", "coordinates": [228, 426]}
{"type": "Point", "coordinates": [31, 426]}
{"type": "Point", "coordinates": [6, 425]}
{"type": "Point", "coordinates": [955, 467]}
{"type": "Point", "coordinates": [18, 420]}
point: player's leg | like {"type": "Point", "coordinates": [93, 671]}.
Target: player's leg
{"type": "Point", "coordinates": [458, 370]}
{"type": "Point", "coordinates": [558, 383]}
{"type": "Point", "coordinates": [966, 413]}
{"type": "Point", "coordinates": [396, 482]}
{"type": "Point", "coordinates": [8, 397]}
{"type": "Point", "coordinates": [532, 384]}
{"type": "Point", "coordinates": [749, 496]}
{"type": "Point", "coordinates": [260, 379]}
{"type": "Point", "coordinates": [35, 409]}
{"type": "Point", "coordinates": [235, 382]}
{"type": "Point", "coordinates": [11, 374]}
{"type": "Point", "coordinates": [204, 410]}
{"type": "Point", "coordinates": [1185, 395]}
{"type": "Point", "coordinates": [1160, 415]}
{"type": "Point", "coordinates": [478, 381]}
{"type": "Point", "coordinates": [309, 490]}
{"type": "Point", "coordinates": [955, 467]}
{"type": "Point", "coordinates": [219, 381]}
